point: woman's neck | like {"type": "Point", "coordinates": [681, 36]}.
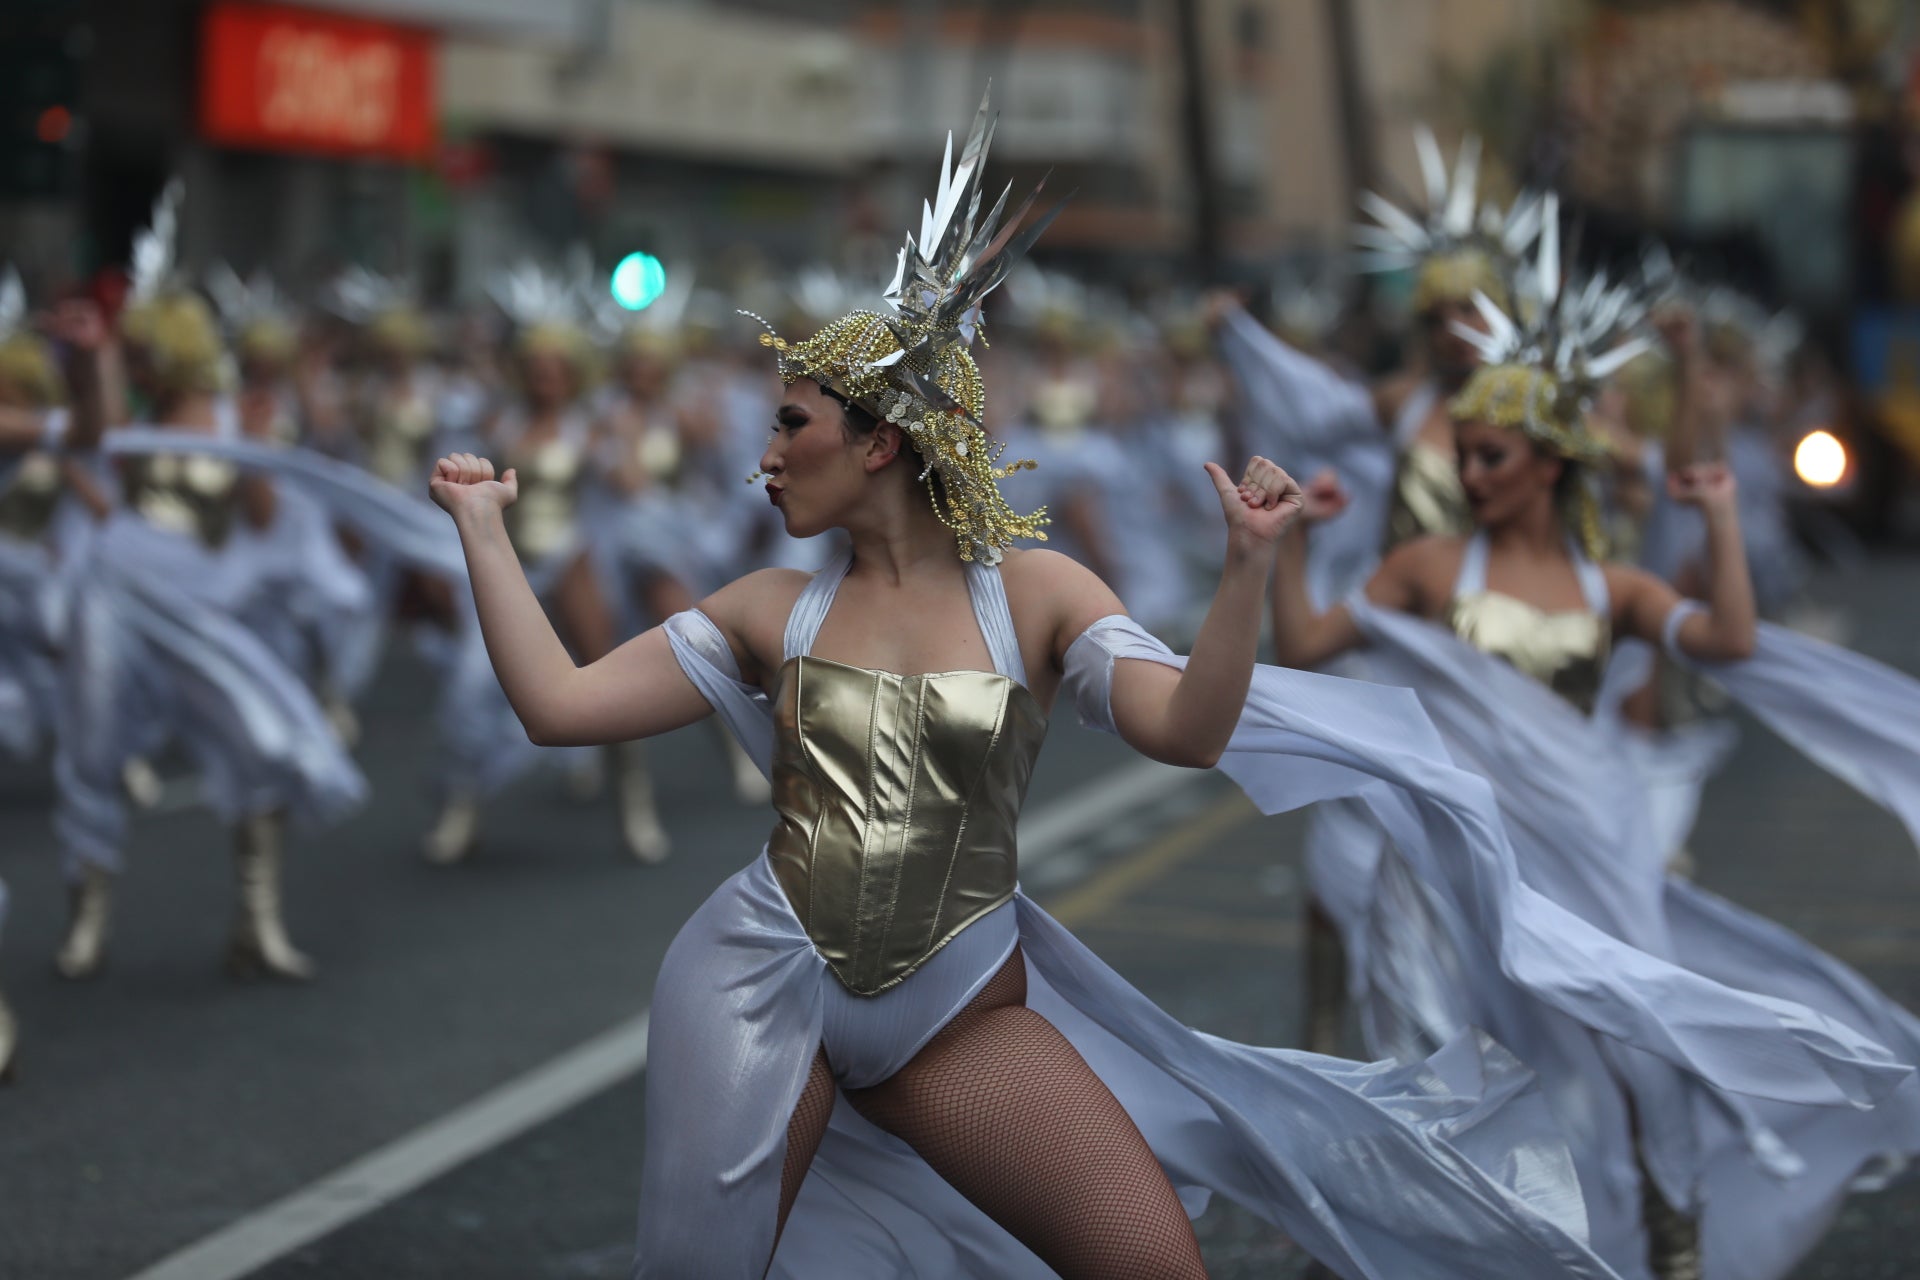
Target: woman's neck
{"type": "Point", "coordinates": [1536, 531]}
{"type": "Point", "coordinates": [900, 536]}
{"type": "Point", "coordinates": [544, 419]}
{"type": "Point", "coordinates": [192, 410]}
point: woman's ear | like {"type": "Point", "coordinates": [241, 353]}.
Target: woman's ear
{"type": "Point", "coordinates": [1550, 465]}
{"type": "Point", "coordinates": [883, 446]}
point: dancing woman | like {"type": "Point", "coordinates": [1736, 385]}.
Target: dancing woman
{"type": "Point", "coordinates": [1012, 1108]}
{"type": "Point", "coordinates": [158, 652]}
{"type": "Point", "coordinates": [1392, 444]}
{"type": "Point", "coordinates": [1514, 675]}
{"type": "Point", "coordinates": [34, 535]}
{"type": "Point", "coordinates": [546, 433]}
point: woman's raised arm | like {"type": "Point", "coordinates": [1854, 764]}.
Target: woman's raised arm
{"type": "Point", "coordinates": [1185, 717]}
{"type": "Point", "coordinates": [1727, 629]}
{"type": "Point", "coordinates": [636, 691]}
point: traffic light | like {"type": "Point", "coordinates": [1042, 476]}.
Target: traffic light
{"type": "Point", "coordinates": [42, 47]}
{"type": "Point", "coordinates": [638, 281]}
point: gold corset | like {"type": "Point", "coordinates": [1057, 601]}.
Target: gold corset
{"type": "Point", "coordinates": [541, 520]}
{"type": "Point", "coordinates": [1566, 651]}
{"type": "Point", "coordinates": [28, 500]}
{"type": "Point", "coordinates": [397, 445]}
{"type": "Point", "coordinates": [897, 797]}
{"type": "Point", "coordinates": [187, 493]}
{"type": "Point", "coordinates": [1427, 497]}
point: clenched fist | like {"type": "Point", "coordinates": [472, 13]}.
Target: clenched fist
{"type": "Point", "coordinates": [463, 484]}
{"type": "Point", "coordinates": [1707, 485]}
{"type": "Point", "coordinates": [1259, 508]}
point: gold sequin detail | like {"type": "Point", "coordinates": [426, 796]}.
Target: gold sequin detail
{"type": "Point", "coordinates": [963, 465]}
{"type": "Point", "coordinates": [1529, 399]}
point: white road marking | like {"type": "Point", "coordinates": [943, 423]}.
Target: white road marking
{"type": "Point", "coordinates": [402, 1166]}
{"type": "Point", "coordinates": [1098, 807]}
{"type": "Point", "coordinates": [385, 1175]}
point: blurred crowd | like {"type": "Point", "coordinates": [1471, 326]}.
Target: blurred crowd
{"type": "Point", "coordinates": [213, 515]}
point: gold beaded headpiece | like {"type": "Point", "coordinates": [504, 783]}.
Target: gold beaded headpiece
{"type": "Point", "coordinates": [164, 316]}
{"type": "Point", "coordinates": [1540, 375]}
{"type": "Point", "coordinates": [549, 310]}
{"type": "Point", "coordinates": [27, 363]}
{"type": "Point", "coordinates": [258, 319]}
{"type": "Point", "coordinates": [910, 364]}
{"type": "Point", "coordinates": [383, 308]}
{"type": "Point", "coordinates": [1460, 248]}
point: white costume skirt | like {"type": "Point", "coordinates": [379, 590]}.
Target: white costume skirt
{"type": "Point", "coordinates": [154, 655]}
{"type": "Point", "coordinates": [1447, 1168]}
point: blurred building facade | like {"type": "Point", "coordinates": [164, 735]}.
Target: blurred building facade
{"type": "Point", "coordinates": [442, 137]}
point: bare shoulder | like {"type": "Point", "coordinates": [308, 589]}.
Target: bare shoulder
{"type": "Point", "coordinates": [1631, 590]}
{"type": "Point", "coordinates": [1054, 597]}
{"type": "Point", "coordinates": [1390, 394]}
{"type": "Point", "coordinates": [1047, 580]}
{"type": "Point", "coordinates": [1418, 575]}
{"type": "Point", "coordinates": [1428, 552]}
{"type": "Point", "coordinates": [751, 611]}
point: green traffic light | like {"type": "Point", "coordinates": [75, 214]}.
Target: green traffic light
{"type": "Point", "coordinates": [638, 281]}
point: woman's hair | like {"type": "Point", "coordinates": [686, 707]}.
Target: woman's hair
{"type": "Point", "coordinates": [1576, 496]}
{"type": "Point", "coordinates": [859, 424]}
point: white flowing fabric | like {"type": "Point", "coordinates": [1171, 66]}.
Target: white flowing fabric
{"type": "Point", "coordinates": [155, 652]}
{"type": "Point", "coordinates": [29, 672]}
{"type": "Point", "coordinates": [1307, 417]}
{"type": "Point", "coordinates": [1446, 1168]}
{"type": "Point", "coordinates": [1765, 1170]}
{"type": "Point", "coordinates": [1856, 718]}
{"type": "Point", "coordinates": [410, 529]}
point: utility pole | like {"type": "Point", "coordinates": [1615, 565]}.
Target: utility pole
{"type": "Point", "coordinates": [1208, 230]}
{"type": "Point", "coordinates": [1356, 129]}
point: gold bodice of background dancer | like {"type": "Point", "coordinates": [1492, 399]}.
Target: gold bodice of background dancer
{"type": "Point", "coordinates": [399, 438]}
{"type": "Point", "coordinates": [29, 499]}
{"type": "Point", "coordinates": [1427, 497]}
{"type": "Point", "coordinates": [1566, 651]}
{"type": "Point", "coordinates": [188, 493]}
{"type": "Point", "coordinates": [897, 798]}
{"type": "Point", "coordinates": [541, 520]}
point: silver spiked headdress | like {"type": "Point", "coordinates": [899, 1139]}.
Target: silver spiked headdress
{"type": "Point", "coordinates": [152, 270]}
{"type": "Point", "coordinates": [13, 303]}
{"type": "Point", "coordinates": [910, 364]}
{"type": "Point", "coordinates": [1541, 372]}
{"type": "Point", "coordinates": [258, 317]}
{"type": "Point", "coordinates": [1460, 245]}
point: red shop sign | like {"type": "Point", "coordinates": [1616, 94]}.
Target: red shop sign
{"type": "Point", "coordinates": [285, 79]}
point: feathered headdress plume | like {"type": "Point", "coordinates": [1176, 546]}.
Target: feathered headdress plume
{"type": "Point", "coordinates": [1541, 373]}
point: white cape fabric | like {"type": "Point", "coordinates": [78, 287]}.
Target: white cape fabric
{"type": "Point", "coordinates": [412, 530]}
{"type": "Point", "coordinates": [155, 652]}
{"type": "Point", "coordinates": [1765, 1170]}
{"type": "Point", "coordinates": [1856, 718]}
{"type": "Point", "coordinates": [1442, 1168]}
{"type": "Point", "coordinates": [1304, 415]}
{"type": "Point", "coordinates": [1446, 1168]}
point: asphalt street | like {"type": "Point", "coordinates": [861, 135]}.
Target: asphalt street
{"type": "Point", "coordinates": [161, 1101]}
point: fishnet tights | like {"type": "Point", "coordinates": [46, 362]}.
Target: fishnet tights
{"type": "Point", "coordinates": [804, 1131]}
{"type": "Point", "coordinates": [1005, 1109]}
